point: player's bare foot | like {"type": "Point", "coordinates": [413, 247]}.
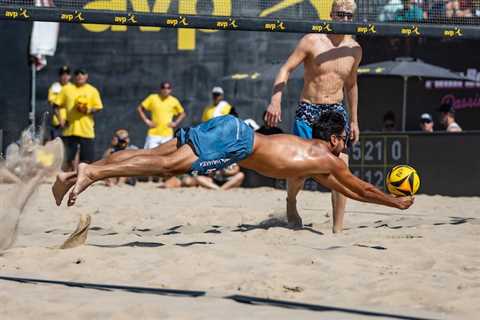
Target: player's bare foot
{"type": "Point", "coordinates": [83, 181]}
{"type": "Point", "coordinates": [293, 218]}
{"type": "Point", "coordinates": [63, 183]}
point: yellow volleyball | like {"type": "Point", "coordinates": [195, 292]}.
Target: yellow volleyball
{"type": "Point", "coordinates": [402, 180]}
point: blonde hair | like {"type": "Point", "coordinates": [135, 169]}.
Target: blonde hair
{"type": "Point", "coordinates": [347, 4]}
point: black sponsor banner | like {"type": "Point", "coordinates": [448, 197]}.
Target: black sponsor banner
{"type": "Point", "coordinates": [236, 23]}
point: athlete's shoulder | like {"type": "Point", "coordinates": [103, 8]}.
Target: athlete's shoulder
{"type": "Point", "coordinates": [312, 38]}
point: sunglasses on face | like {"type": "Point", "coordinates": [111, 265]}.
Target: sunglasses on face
{"type": "Point", "coordinates": [343, 14]}
{"type": "Point", "coordinates": [166, 88]}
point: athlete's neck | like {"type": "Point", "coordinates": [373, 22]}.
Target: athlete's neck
{"type": "Point", "coordinates": [337, 39]}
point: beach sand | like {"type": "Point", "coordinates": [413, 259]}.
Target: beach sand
{"type": "Point", "coordinates": [423, 262]}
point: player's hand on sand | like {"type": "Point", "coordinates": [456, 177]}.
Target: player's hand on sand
{"type": "Point", "coordinates": [273, 115]}
{"type": "Point", "coordinates": [354, 132]}
{"type": "Point", "coordinates": [405, 202]}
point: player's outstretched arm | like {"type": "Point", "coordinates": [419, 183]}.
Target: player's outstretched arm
{"type": "Point", "coordinates": [361, 190]}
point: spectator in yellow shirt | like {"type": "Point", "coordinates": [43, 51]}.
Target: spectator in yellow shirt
{"type": "Point", "coordinates": [166, 113]}
{"type": "Point", "coordinates": [80, 102]}
{"type": "Point", "coordinates": [53, 92]}
{"type": "Point", "coordinates": [219, 107]}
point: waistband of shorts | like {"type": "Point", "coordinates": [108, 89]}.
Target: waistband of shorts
{"type": "Point", "coordinates": [321, 105]}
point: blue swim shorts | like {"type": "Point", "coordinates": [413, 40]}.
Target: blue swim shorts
{"type": "Point", "coordinates": [309, 113]}
{"type": "Point", "coordinates": [217, 143]}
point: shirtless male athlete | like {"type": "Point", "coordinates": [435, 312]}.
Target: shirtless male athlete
{"type": "Point", "coordinates": [224, 140]}
{"type": "Point", "coordinates": [330, 63]}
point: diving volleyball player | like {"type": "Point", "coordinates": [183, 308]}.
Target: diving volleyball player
{"type": "Point", "coordinates": [217, 143]}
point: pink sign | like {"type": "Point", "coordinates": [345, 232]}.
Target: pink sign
{"type": "Point", "coordinates": [461, 103]}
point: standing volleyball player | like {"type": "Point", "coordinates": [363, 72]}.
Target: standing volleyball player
{"type": "Point", "coordinates": [330, 63]}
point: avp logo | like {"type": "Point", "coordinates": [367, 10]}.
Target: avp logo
{"type": "Point", "coordinates": [366, 29]}
{"type": "Point", "coordinates": [75, 16]}
{"type": "Point", "coordinates": [178, 22]}
{"type": "Point", "coordinates": [227, 24]}
{"type": "Point", "coordinates": [325, 27]}
{"type": "Point", "coordinates": [450, 33]}
{"type": "Point", "coordinates": [187, 37]}
{"type": "Point", "coordinates": [17, 14]}
{"type": "Point", "coordinates": [130, 18]}
{"type": "Point", "coordinates": [277, 25]}
{"type": "Point", "coordinates": [410, 31]}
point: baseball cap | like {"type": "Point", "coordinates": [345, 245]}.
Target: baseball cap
{"type": "Point", "coordinates": [217, 90]}
{"type": "Point", "coordinates": [446, 107]}
{"type": "Point", "coordinates": [80, 71]}
{"type": "Point", "coordinates": [121, 133]}
{"type": "Point", "coordinates": [426, 117]}
{"type": "Point", "coordinates": [64, 70]}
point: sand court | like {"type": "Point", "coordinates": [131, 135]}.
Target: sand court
{"type": "Point", "coordinates": [421, 263]}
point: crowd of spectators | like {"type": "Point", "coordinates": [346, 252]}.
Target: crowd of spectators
{"type": "Point", "coordinates": [429, 10]}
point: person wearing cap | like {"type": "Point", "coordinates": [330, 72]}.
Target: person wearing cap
{"type": "Point", "coordinates": [166, 113]}
{"type": "Point", "coordinates": [120, 141]}
{"type": "Point", "coordinates": [426, 122]}
{"type": "Point", "coordinates": [80, 102]}
{"type": "Point", "coordinates": [53, 92]}
{"type": "Point", "coordinates": [447, 118]}
{"type": "Point", "coordinates": [219, 107]}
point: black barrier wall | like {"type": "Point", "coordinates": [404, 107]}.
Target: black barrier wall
{"type": "Point", "coordinates": [447, 163]}
{"type": "Point", "coordinates": [14, 80]}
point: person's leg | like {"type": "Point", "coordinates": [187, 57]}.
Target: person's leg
{"type": "Point", "coordinates": [234, 182]}
{"type": "Point", "coordinates": [71, 148]}
{"type": "Point", "coordinates": [87, 150]}
{"type": "Point", "coordinates": [294, 185]}
{"type": "Point", "coordinates": [65, 180]}
{"type": "Point", "coordinates": [142, 165]}
{"type": "Point", "coordinates": [206, 182]}
{"type": "Point", "coordinates": [339, 202]}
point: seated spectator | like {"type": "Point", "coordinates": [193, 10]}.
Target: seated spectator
{"type": "Point", "coordinates": [426, 122]}
{"type": "Point", "coordinates": [120, 141]}
{"type": "Point", "coordinates": [219, 107]}
{"type": "Point", "coordinates": [225, 179]}
{"type": "Point", "coordinates": [389, 123]}
{"type": "Point", "coordinates": [411, 12]}
{"type": "Point", "coordinates": [183, 181]}
{"type": "Point", "coordinates": [389, 11]}
{"type": "Point", "coordinates": [266, 130]}
{"type": "Point", "coordinates": [437, 10]}
{"type": "Point", "coordinates": [459, 8]}
{"type": "Point", "coordinates": [447, 118]}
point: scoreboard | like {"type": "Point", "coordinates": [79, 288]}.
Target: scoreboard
{"type": "Point", "coordinates": [372, 157]}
